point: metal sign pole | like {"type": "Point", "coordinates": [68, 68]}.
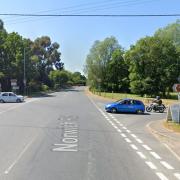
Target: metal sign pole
{"type": "Point", "coordinates": [179, 108]}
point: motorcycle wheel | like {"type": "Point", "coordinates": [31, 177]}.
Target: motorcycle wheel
{"type": "Point", "coordinates": [161, 110]}
{"type": "Point", "coordinates": [148, 109]}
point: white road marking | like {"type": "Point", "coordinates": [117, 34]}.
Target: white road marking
{"type": "Point", "coordinates": [134, 147]}
{"type": "Point", "coordinates": [119, 130]}
{"type": "Point", "coordinates": [177, 175]}
{"type": "Point", "coordinates": [151, 165]}
{"type": "Point", "coordinates": [128, 131]}
{"type": "Point", "coordinates": [155, 155]}
{"type": "Point", "coordinates": [147, 147]}
{"type": "Point", "coordinates": [141, 155]}
{"type": "Point", "coordinates": [128, 140]}
{"type": "Point", "coordinates": [178, 157]}
{"type": "Point", "coordinates": [123, 135]}
{"type": "Point", "coordinates": [161, 176]}
{"type": "Point", "coordinates": [133, 135]}
{"type": "Point", "coordinates": [124, 127]}
{"type": "Point", "coordinates": [19, 156]}
{"type": "Point", "coordinates": [166, 165]}
{"type": "Point", "coordinates": [139, 140]}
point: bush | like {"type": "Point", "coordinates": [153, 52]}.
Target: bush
{"type": "Point", "coordinates": [44, 88]}
{"type": "Point", "coordinates": [34, 86]}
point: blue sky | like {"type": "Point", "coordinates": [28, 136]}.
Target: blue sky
{"type": "Point", "coordinates": [77, 34]}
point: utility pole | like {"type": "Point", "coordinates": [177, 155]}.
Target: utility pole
{"type": "Point", "coordinates": [24, 72]}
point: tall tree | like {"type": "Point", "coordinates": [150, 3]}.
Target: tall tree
{"type": "Point", "coordinates": [47, 57]}
{"type": "Point", "coordinates": [97, 61]}
{"type": "Point", "coordinates": [153, 66]}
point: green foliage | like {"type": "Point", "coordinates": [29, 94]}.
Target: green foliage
{"type": "Point", "coordinates": [105, 65]}
{"type": "Point", "coordinates": [41, 57]}
{"type": "Point", "coordinates": [60, 77]}
{"type": "Point", "coordinates": [44, 88]}
{"type": "Point", "coordinates": [153, 66]}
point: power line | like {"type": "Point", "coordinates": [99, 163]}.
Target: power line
{"type": "Point", "coordinates": [76, 9]}
{"type": "Point", "coordinates": [89, 15]}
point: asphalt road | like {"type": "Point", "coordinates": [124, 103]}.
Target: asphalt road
{"type": "Point", "coordinates": [69, 136]}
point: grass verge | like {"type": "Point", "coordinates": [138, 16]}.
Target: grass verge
{"type": "Point", "coordinates": [117, 96]}
{"type": "Point", "coordinates": [172, 126]}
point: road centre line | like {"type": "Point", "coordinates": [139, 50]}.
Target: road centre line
{"type": "Point", "coordinates": [166, 165]}
{"type": "Point", "coordinates": [177, 175]}
{"type": "Point", "coordinates": [155, 155]}
{"type": "Point", "coordinates": [161, 176]}
{"type": "Point", "coordinates": [151, 165]}
{"type": "Point", "coordinates": [141, 155]}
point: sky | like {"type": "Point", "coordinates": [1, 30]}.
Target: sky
{"type": "Point", "coordinates": [76, 35]}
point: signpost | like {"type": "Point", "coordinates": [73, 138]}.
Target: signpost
{"type": "Point", "coordinates": [176, 88]}
{"type": "Point", "coordinates": [14, 84]}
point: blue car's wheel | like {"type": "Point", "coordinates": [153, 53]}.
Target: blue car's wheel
{"type": "Point", "coordinates": [114, 110]}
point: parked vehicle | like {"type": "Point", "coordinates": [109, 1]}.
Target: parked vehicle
{"type": "Point", "coordinates": [156, 108]}
{"type": "Point", "coordinates": [10, 97]}
{"type": "Point", "coordinates": [126, 105]}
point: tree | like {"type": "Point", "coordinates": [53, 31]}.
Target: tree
{"type": "Point", "coordinates": [117, 72]}
{"type": "Point", "coordinates": [97, 61]}
{"type": "Point", "coordinates": [153, 66]}
{"type": "Point", "coordinates": [78, 78]}
{"type": "Point", "coordinates": [60, 78]}
{"type": "Point", "coordinates": [47, 57]}
{"type": "Point", "coordinates": [171, 32]}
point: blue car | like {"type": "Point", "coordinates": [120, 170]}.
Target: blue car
{"type": "Point", "coordinates": [126, 105]}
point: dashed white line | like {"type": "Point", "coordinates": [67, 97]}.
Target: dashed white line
{"type": "Point", "coordinates": [141, 155]}
{"type": "Point", "coordinates": [161, 176]}
{"type": "Point", "coordinates": [128, 140]}
{"type": "Point", "coordinates": [139, 140]}
{"type": "Point", "coordinates": [177, 175]}
{"type": "Point", "coordinates": [134, 147]}
{"type": "Point", "coordinates": [155, 155]}
{"type": "Point", "coordinates": [119, 130]}
{"type": "Point", "coordinates": [123, 135]}
{"type": "Point", "coordinates": [146, 147]}
{"type": "Point", "coordinates": [133, 135]}
{"type": "Point", "coordinates": [166, 165]}
{"type": "Point", "coordinates": [151, 165]}
{"type": "Point", "coordinates": [128, 131]}
{"type": "Point", "coordinates": [124, 127]}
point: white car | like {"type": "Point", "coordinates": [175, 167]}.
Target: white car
{"type": "Point", "coordinates": [10, 97]}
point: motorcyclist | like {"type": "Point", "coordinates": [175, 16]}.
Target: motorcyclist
{"type": "Point", "coordinates": [157, 101]}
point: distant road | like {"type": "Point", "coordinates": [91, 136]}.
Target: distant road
{"type": "Point", "coordinates": [69, 136]}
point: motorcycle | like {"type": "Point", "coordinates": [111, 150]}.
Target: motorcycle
{"type": "Point", "coordinates": [155, 107]}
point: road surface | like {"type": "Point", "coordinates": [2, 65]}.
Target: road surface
{"type": "Point", "coordinates": [68, 136]}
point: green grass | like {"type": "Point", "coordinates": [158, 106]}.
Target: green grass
{"type": "Point", "coordinates": [172, 126]}
{"type": "Point", "coordinates": [118, 96]}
